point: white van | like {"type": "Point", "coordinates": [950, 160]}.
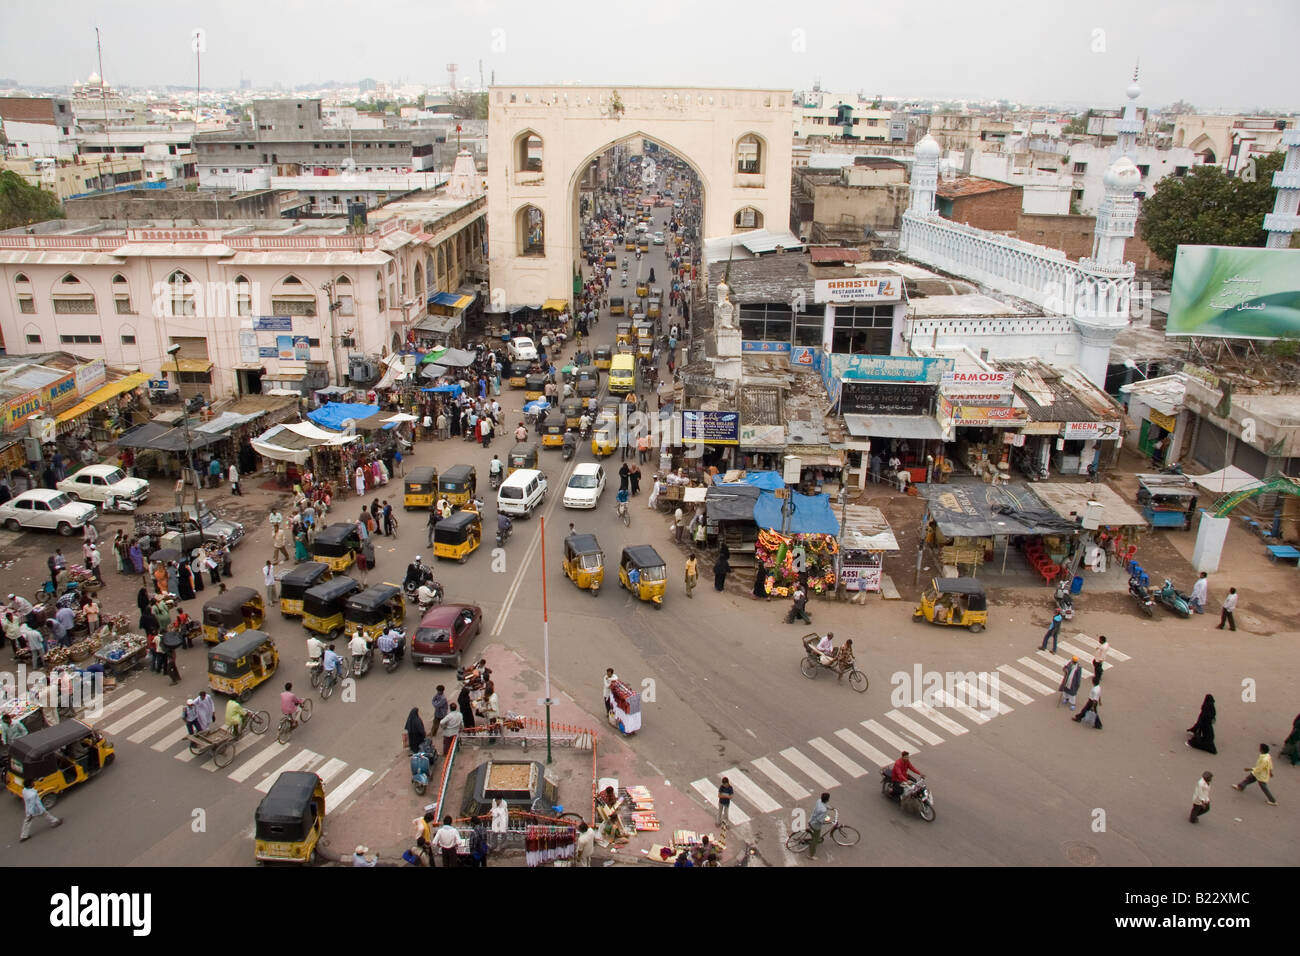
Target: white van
{"type": "Point", "coordinates": [522, 492]}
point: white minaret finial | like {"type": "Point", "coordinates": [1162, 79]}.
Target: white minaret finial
{"type": "Point", "coordinates": [1129, 126]}
{"type": "Point", "coordinates": [925, 176]}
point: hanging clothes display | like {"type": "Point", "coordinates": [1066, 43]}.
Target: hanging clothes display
{"type": "Point", "coordinates": [625, 710]}
{"type": "Point", "coordinates": [544, 844]}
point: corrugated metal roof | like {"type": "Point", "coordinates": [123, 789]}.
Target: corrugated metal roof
{"type": "Point", "coordinates": [832, 254]}
{"type": "Point", "coordinates": [865, 529]}
{"type": "Point", "coordinates": [760, 405]}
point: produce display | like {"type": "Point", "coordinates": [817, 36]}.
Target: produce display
{"type": "Point", "coordinates": [780, 554]}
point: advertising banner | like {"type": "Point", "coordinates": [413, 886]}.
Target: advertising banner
{"type": "Point", "coordinates": [247, 346]}
{"type": "Point", "coordinates": [983, 415]}
{"type": "Point", "coordinates": [284, 348]}
{"type": "Point", "coordinates": [273, 323]}
{"type": "Point", "coordinates": [301, 348]}
{"type": "Point", "coordinates": [710, 428]}
{"type": "Point", "coordinates": [765, 437]}
{"type": "Point", "coordinates": [1235, 292]}
{"type": "Point", "coordinates": [60, 393]}
{"type": "Point", "coordinates": [963, 397]}
{"type": "Point", "coordinates": [752, 346]}
{"type": "Point", "coordinates": [1167, 422]}
{"type": "Point", "coordinates": [18, 410]}
{"type": "Point", "coordinates": [1089, 430]}
{"type": "Point", "coordinates": [891, 368]}
{"type": "Point", "coordinates": [882, 288]}
{"type": "Point", "coordinates": [267, 351]}
{"type": "Point", "coordinates": [90, 376]}
{"type": "Point", "coordinates": [804, 356]}
{"type": "Point", "coordinates": [988, 381]}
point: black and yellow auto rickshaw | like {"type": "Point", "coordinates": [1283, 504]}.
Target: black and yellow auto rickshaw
{"type": "Point", "coordinates": [955, 602]}
{"type": "Point", "coordinates": [642, 288]}
{"type": "Point", "coordinates": [604, 436]}
{"type": "Point", "coordinates": [239, 609]}
{"type": "Point", "coordinates": [645, 340]}
{"type": "Point", "coordinates": [553, 435]}
{"type": "Point", "coordinates": [238, 665]}
{"type": "Point", "coordinates": [654, 308]}
{"type": "Point", "coordinates": [584, 562]}
{"type": "Point", "coordinates": [458, 537]}
{"type": "Point", "coordinates": [615, 305]}
{"type": "Point", "coordinates": [373, 611]}
{"type": "Point", "coordinates": [643, 244]}
{"type": "Point", "coordinates": [603, 357]}
{"type": "Point", "coordinates": [420, 488]}
{"type": "Point", "coordinates": [651, 573]}
{"type": "Point", "coordinates": [624, 334]}
{"type": "Point", "coordinates": [611, 260]}
{"type": "Point", "coordinates": [588, 383]}
{"type": "Point", "coordinates": [517, 373]}
{"type": "Point", "coordinates": [322, 606]}
{"type": "Point", "coordinates": [336, 546]}
{"type": "Point", "coordinates": [629, 242]}
{"type": "Point", "coordinates": [535, 386]}
{"type": "Point", "coordinates": [290, 819]}
{"type": "Point", "coordinates": [53, 759]}
{"type": "Point", "coordinates": [572, 412]}
{"type": "Point", "coordinates": [521, 456]}
{"type": "Point", "coordinates": [298, 582]}
{"type": "Point", "coordinates": [458, 483]}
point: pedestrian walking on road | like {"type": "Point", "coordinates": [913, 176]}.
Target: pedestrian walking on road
{"type": "Point", "coordinates": [1229, 606]}
{"type": "Point", "coordinates": [268, 578]}
{"type": "Point", "coordinates": [33, 808]}
{"type": "Point", "coordinates": [759, 590]}
{"type": "Point", "coordinates": [432, 525]}
{"type": "Point", "coordinates": [799, 607]}
{"type": "Point", "coordinates": [1069, 688]}
{"type": "Point", "coordinates": [692, 574]}
{"type": "Point", "coordinates": [450, 726]}
{"type": "Point", "coordinates": [466, 707]}
{"type": "Point", "coordinates": [1201, 797]}
{"type": "Point", "coordinates": [1200, 594]}
{"type": "Point", "coordinates": [280, 543]}
{"type": "Point", "coordinates": [721, 568]}
{"type": "Point", "coordinates": [414, 730]}
{"type": "Point", "coordinates": [447, 839]}
{"type": "Point", "coordinates": [234, 480]}
{"type": "Point", "coordinates": [1261, 773]}
{"type": "Point", "coordinates": [1203, 730]}
{"type": "Point", "coordinates": [439, 702]}
{"type": "Point", "coordinates": [1094, 702]}
{"type": "Point", "coordinates": [725, 793]}
{"type": "Point", "coordinates": [1053, 631]}
{"type": "Point", "coordinates": [1099, 658]}
{"type": "Point", "coordinates": [634, 478]}
{"type": "Point", "coordinates": [624, 476]}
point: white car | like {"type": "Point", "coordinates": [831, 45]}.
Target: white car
{"type": "Point", "coordinates": [46, 508]}
{"type": "Point", "coordinates": [585, 486]}
{"type": "Point", "coordinates": [522, 349]}
{"type": "Point", "coordinates": [98, 483]}
{"type": "Point", "coordinates": [659, 239]}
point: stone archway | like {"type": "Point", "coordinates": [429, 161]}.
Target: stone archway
{"type": "Point", "coordinates": [712, 130]}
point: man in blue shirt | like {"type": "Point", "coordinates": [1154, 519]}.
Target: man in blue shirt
{"type": "Point", "coordinates": [820, 815]}
{"type": "Point", "coordinates": [332, 661]}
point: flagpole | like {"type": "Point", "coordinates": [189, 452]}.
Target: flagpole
{"type": "Point", "coordinates": [546, 646]}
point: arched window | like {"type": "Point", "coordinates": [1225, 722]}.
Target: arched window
{"type": "Point", "coordinates": [747, 218]}
{"type": "Point", "coordinates": [291, 280]}
{"type": "Point", "coordinates": [182, 293]}
{"type": "Point", "coordinates": [243, 296]}
{"type": "Point", "coordinates": [530, 227]}
{"type": "Point", "coordinates": [26, 300]}
{"type": "Point", "coordinates": [442, 262]}
{"type": "Point", "coordinates": [419, 282]}
{"type": "Point", "coordinates": [73, 297]}
{"type": "Point", "coordinates": [749, 154]}
{"type": "Point", "coordinates": [292, 296]}
{"type": "Point", "coordinates": [344, 296]}
{"type": "Point", "coordinates": [126, 336]}
{"type": "Point", "coordinates": [529, 152]}
{"type": "Point", "coordinates": [121, 295]}
{"type": "Point", "coordinates": [21, 277]}
{"type": "Point", "coordinates": [379, 291]}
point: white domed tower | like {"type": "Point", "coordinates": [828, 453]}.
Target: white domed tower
{"type": "Point", "coordinates": [1117, 215]}
{"type": "Point", "coordinates": [1129, 125]}
{"type": "Point", "coordinates": [925, 176]}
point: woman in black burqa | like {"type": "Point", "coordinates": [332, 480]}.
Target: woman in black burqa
{"type": "Point", "coordinates": [414, 730]}
{"type": "Point", "coordinates": [1203, 730]}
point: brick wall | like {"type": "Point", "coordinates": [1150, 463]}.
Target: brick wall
{"type": "Point", "coordinates": [1073, 236]}
{"type": "Point", "coordinates": [996, 211]}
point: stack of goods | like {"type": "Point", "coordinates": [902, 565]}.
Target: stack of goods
{"type": "Point", "coordinates": [83, 648]}
{"type": "Point", "coordinates": [115, 623]}
{"type": "Point", "coordinates": [545, 844]}
{"type": "Point", "coordinates": [24, 710]}
{"type": "Point", "coordinates": [81, 576]}
{"type": "Point", "coordinates": [643, 809]}
{"type": "Point", "coordinates": [625, 707]}
{"type": "Point", "coordinates": [778, 552]}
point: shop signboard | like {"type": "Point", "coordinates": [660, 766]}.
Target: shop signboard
{"type": "Point", "coordinates": [284, 348]}
{"type": "Point", "coordinates": [978, 379]}
{"type": "Point", "coordinates": [886, 398]}
{"type": "Point", "coordinates": [891, 368]}
{"type": "Point", "coordinates": [60, 393]}
{"type": "Point", "coordinates": [1235, 292]}
{"type": "Point", "coordinates": [763, 437]}
{"type": "Point", "coordinates": [273, 323]}
{"type": "Point", "coordinates": [247, 346]}
{"type": "Point", "coordinates": [1091, 430]}
{"type": "Point", "coordinates": [710, 428]}
{"type": "Point", "coordinates": [804, 356]}
{"type": "Point", "coordinates": [267, 351]}
{"type": "Point", "coordinates": [973, 416]}
{"type": "Point", "coordinates": [752, 346]}
{"type": "Point", "coordinates": [90, 376]}
{"type": "Point", "coordinates": [978, 398]}
{"type": "Point", "coordinates": [879, 288]}
{"type": "Point", "coordinates": [17, 410]}
{"type": "Point", "coordinates": [301, 348]}
{"type": "Point", "coordinates": [1167, 422]}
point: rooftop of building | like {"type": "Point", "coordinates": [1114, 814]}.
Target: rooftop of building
{"type": "Point", "coordinates": [963, 186]}
{"type": "Point", "coordinates": [1058, 395]}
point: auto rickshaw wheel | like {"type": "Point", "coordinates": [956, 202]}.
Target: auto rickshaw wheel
{"type": "Point", "coordinates": [918, 617]}
{"type": "Point", "coordinates": [808, 668]}
{"type": "Point", "coordinates": [224, 754]}
{"type": "Point", "coordinates": [49, 799]}
{"type": "Point", "coordinates": [976, 628]}
{"type": "Point", "coordinates": [244, 694]}
{"type": "Point", "coordinates": [311, 857]}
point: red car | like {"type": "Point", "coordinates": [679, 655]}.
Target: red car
{"type": "Point", "coordinates": [445, 632]}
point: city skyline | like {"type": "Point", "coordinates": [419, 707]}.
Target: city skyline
{"type": "Point", "coordinates": [1001, 50]}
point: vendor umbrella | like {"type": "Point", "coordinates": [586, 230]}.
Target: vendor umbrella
{"type": "Point", "coordinates": [172, 639]}
{"type": "Point", "coordinates": [536, 405]}
{"type": "Point", "coordinates": [165, 554]}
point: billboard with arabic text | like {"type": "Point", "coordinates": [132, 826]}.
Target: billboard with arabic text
{"type": "Point", "coordinates": [1235, 292]}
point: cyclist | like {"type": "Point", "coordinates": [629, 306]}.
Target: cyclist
{"type": "Point", "coordinates": [236, 714]}
{"type": "Point", "coordinates": [900, 775]}
{"type": "Point", "coordinates": [290, 704]}
{"type": "Point", "coordinates": [842, 660]}
{"type": "Point", "coordinates": [621, 502]}
{"type": "Point", "coordinates": [333, 664]}
{"type": "Point", "coordinates": [315, 648]}
{"type": "Point", "coordinates": [820, 815]}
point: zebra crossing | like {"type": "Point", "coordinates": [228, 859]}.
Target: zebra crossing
{"type": "Point", "coordinates": [155, 722]}
{"type": "Point", "coordinates": [784, 779]}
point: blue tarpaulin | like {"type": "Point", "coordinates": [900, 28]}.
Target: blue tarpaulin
{"type": "Point", "coordinates": [810, 514]}
{"type": "Point", "coordinates": [454, 389]}
{"type": "Point", "coordinates": [766, 480]}
{"type": "Point", "coordinates": [336, 414]}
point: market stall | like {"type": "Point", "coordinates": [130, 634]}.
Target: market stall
{"type": "Point", "coordinates": [864, 541]}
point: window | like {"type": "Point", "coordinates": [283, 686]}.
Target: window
{"type": "Point", "coordinates": [749, 156]}
{"type": "Point", "coordinates": [192, 378]}
{"type": "Point", "coordinates": [128, 340]}
{"type": "Point", "coordinates": [808, 325]}
{"type": "Point", "coordinates": [293, 306]}
{"type": "Point", "coordinates": [348, 342]}
{"type": "Point", "coordinates": [82, 305]}
{"type": "Point", "coordinates": [292, 280]}
{"type": "Point", "coordinates": [33, 339]}
{"type": "Point", "coordinates": [529, 153]}
{"type": "Point", "coordinates": [863, 329]}
{"type": "Point", "coordinates": [1180, 171]}
{"type": "Point", "coordinates": [531, 226]}
{"type": "Point", "coordinates": [343, 289]}
{"type": "Point", "coordinates": [182, 293]}
{"type": "Point", "coordinates": [243, 296]}
{"type": "Point", "coordinates": [26, 304]}
{"type": "Point", "coordinates": [1144, 171]}
{"type": "Point", "coordinates": [81, 339]}
{"type": "Point", "coordinates": [748, 218]}
{"type": "Point", "coordinates": [21, 277]}
{"type": "Point", "coordinates": [1080, 167]}
{"type": "Point", "coordinates": [1078, 195]}
{"type": "Point", "coordinates": [122, 303]}
{"type": "Point", "coordinates": [313, 343]}
{"type": "Point", "coordinates": [766, 322]}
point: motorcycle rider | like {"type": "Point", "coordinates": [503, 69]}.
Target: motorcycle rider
{"type": "Point", "coordinates": [392, 641]}
{"type": "Point", "coordinates": [494, 470]}
{"type": "Point", "coordinates": [900, 775]}
{"type": "Point", "coordinates": [570, 443]}
{"type": "Point", "coordinates": [584, 425]}
{"type": "Point", "coordinates": [357, 646]}
{"type": "Point", "coordinates": [416, 574]}
{"type": "Point", "coordinates": [504, 526]}
{"type": "Point", "coordinates": [426, 596]}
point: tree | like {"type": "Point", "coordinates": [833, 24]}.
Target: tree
{"type": "Point", "coordinates": [1207, 207]}
{"type": "Point", "coordinates": [1077, 125]}
{"type": "Point", "coordinates": [22, 204]}
{"type": "Point", "coordinates": [467, 104]}
{"type": "Point", "coordinates": [1180, 108]}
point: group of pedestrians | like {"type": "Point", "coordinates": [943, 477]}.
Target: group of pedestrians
{"type": "Point", "coordinates": [1202, 738]}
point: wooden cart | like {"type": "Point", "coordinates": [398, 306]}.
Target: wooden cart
{"type": "Point", "coordinates": [220, 740]}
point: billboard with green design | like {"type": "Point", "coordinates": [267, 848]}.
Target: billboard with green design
{"type": "Point", "coordinates": [1235, 292]}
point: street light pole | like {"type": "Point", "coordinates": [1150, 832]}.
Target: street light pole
{"type": "Point", "coordinates": [173, 351]}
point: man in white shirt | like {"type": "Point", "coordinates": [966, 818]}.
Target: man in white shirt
{"type": "Point", "coordinates": [268, 578]}
{"type": "Point", "coordinates": [1229, 606]}
{"type": "Point", "coordinates": [1201, 797]}
{"type": "Point", "coordinates": [357, 646]}
{"type": "Point", "coordinates": [586, 845]}
{"type": "Point", "coordinates": [1200, 594]}
{"type": "Point", "coordinates": [450, 726]}
{"type": "Point", "coordinates": [827, 644]}
{"type": "Point", "coordinates": [315, 648]}
{"type": "Point", "coordinates": [447, 839]}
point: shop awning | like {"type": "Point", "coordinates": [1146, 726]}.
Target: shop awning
{"type": "Point", "coordinates": [226, 421]}
{"type": "Point", "coordinates": [439, 324]}
{"type": "Point", "coordinates": [765, 480]}
{"type": "Point", "coordinates": [1069, 499]}
{"type": "Point", "coordinates": [457, 358]}
{"type": "Point", "coordinates": [101, 395]}
{"type": "Point", "coordinates": [555, 305]}
{"type": "Point", "coordinates": [731, 502]}
{"type": "Point", "coordinates": [338, 414]}
{"type": "Point", "coordinates": [865, 529]}
{"type": "Point", "coordinates": [432, 370]}
{"type": "Point", "coordinates": [1225, 481]}
{"type": "Point", "coordinates": [968, 508]}
{"type": "Point", "coordinates": [816, 456]}
{"type": "Point", "coordinates": [924, 427]}
{"type": "Point", "coordinates": [189, 365]}
{"type": "Point", "coordinates": [452, 300]}
{"type": "Point", "coordinates": [809, 514]}
{"type": "Point", "coordinates": [155, 436]}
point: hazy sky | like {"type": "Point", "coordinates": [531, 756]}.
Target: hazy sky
{"type": "Point", "coordinates": [1212, 53]}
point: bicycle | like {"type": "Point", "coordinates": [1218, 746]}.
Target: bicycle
{"type": "Point", "coordinates": [328, 683]}
{"type": "Point", "coordinates": [621, 509]}
{"type": "Point", "coordinates": [287, 723]}
{"type": "Point", "coordinates": [841, 833]}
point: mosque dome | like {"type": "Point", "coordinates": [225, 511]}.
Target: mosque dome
{"type": "Point", "coordinates": [1122, 174]}
{"type": "Point", "coordinates": [927, 149]}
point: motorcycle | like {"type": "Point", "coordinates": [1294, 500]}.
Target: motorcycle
{"type": "Point", "coordinates": [570, 446]}
{"type": "Point", "coordinates": [120, 505]}
{"type": "Point", "coordinates": [411, 586]}
{"type": "Point", "coordinates": [503, 533]}
{"type": "Point", "coordinates": [1175, 600]}
{"type": "Point", "coordinates": [393, 658]}
{"type": "Point", "coordinates": [914, 796]}
{"type": "Point", "coordinates": [436, 588]}
{"type": "Point", "coordinates": [494, 480]}
{"type": "Point", "coordinates": [1142, 594]}
{"type": "Point", "coordinates": [1064, 602]}
{"type": "Point", "coordinates": [361, 662]}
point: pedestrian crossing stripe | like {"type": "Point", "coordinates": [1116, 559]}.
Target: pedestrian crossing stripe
{"type": "Point", "coordinates": [850, 767]}
{"type": "Point", "coordinates": [334, 798]}
{"type": "Point", "coordinates": [118, 703]}
{"type": "Point", "coordinates": [302, 760]}
{"type": "Point", "coordinates": [254, 763]}
{"type": "Point", "coordinates": [947, 723]}
{"type": "Point", "coordinates": [1019, 696]}
{"type": "Point", "coordinates": [952, 703]}
{"type": "Point", "coordinates": [330, 769]}
{"type": "Point", "coordinates": [1038, 686]}
{"type": "Point", "coordinates": [889, 737]}
{"type": "Point", "coordinates": [167, 742]}
{"type": "Point", "coordinates": [152, 729]}
{"type": "Point", "coordinates": [862, 747]}
{"type": "Point", "coordinates": [1038, 666]}
{"type": "Point", "coordinates": [985, 699]}
{"type": "Point", "coordinates": [750, 791]}
{"type": "Point", "coordinates": [814, 772]}
{"type": "Point", "coordinates": [781, 778]}
{"type": "Point", "coordinates": [917, 730]}
{"type": "Point", "coordinates": [141, 712]}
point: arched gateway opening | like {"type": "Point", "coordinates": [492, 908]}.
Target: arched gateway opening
{"type": "Point", "coordinates": [733, 144]}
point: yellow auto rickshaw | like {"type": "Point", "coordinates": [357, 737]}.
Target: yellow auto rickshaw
{"type": "Point", "coordinates": [643, 572]}
{"type": "Point", "coordinates": [458, 536]}
{"type": "Point", "coordinates": [322, 606]}
{"type": "Point", "coordinates": [642, 288]}
{"type": "Point", "coordinates": [298, 582]}
{"type": "Point", "coordinates": [954, 602]}
{"type": "Point", "coordinates": [521, 456]}
{"type": "Point", "coordinates": [643, 244]}
{"type": "Point", "coordinates": [654, 308]}
{"type": "Point", "coordinates": [238, 665]}
{"type": "Point", "coordinates": [420, 488]}
{"type": "Point", "coordinates": [584, 562]}
{"type": "Point", "coordinates": [624, 334]}
{"type": "Point", "coordinates": [239, 609]}
{"type": "Point", "coordinates": [604, 437]}
{"type": "Point", "coordinates": [336, 546]}
{"type": "Point", "coordinates": [645, 340]}
{"type": "Point", "coordinates": [372, 611]}
{"type": "Point", "coordinates": [458, 484]}
{"type": "Point", "coordinates": [602, 357]}
{"type": "Point", "coordinates": [629, 242]}
{"type": "Point", "coordinates": [553, 436]}
{"type": "Point", "coordinates": [518, 373]}
{"type": "Point", "coordinates": [535, 386]}
{"type": "Point", "coordinates": [572, 412]}
{"type": "Point", "coordinates": [615, 305]}
{"type": "Point", "coordinates": [290, 819]}
{"type": "Point", "coordinates": [53, 759]}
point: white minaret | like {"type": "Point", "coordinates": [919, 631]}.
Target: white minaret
{"type": "Point", "coordinates": [925, 177]}
{"type": "Point", "coordinates": [1117, 214]}
{"type": "Point", "coordinates": [1129, 125]}
{"type": "Point", "coordinates": [1283, 220]}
